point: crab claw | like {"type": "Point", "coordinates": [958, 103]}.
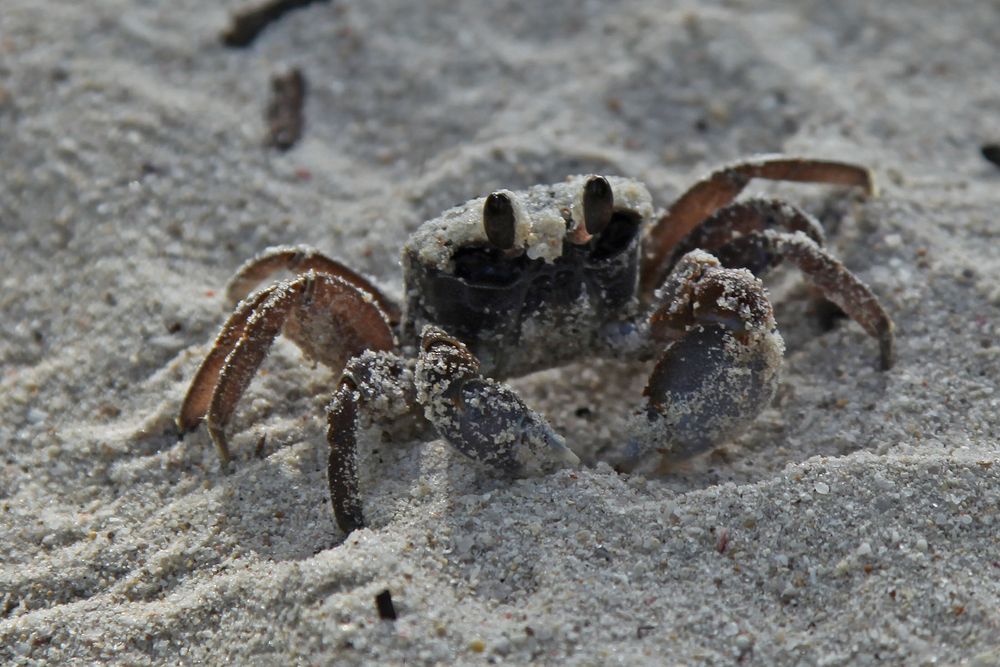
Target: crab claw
{"type": "Point", "coordinates": [482, 418]}
{"type": "Point", "coordinates": [721, 368]}
{"type": "Point", "coordinates": [704, 391]}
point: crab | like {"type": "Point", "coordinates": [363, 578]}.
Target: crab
{"type": "Point", "coordinates": [516, 282]}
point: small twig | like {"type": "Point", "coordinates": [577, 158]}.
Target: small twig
{"type": "Point", "coordinates": [723, 541]}
{"type": "Point", "coordinates": [248, 24]}
{"type": "Point", "coordinates": [284, 111]}
{"type": "Point", "coordinates": [643, 630]}
{"type": "Point", "coordinates": [991, 152]}
{"type": "Point", "coordinates": [383, 602]}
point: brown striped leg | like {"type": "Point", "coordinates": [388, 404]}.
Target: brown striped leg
{"type": "Point", "coordinates": [300, 259]}
{"type": "Point", "coordinates": [332, 310]}
{"type": "Point", "coordinates": [722, 234]}
{"type": "Point", "coordinates": [838, 285]}
{"type": "Point", "coordinates": [723, 186]}
{"type": "Point", "coordinates": [199, 395]}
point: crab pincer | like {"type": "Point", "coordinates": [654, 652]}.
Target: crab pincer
{"type": "Point", "coordinates": [721, 366]}
{"type": "Point", "coordinates": [480, 417]}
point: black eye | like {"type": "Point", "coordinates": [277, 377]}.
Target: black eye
{"type": "Point", "coordinates": [598, 204]}
{"type": "Point", "coordinates": [499, 220]}
{"type": "Point", "coordinates": [487, 266]}
{"type": "Point", "coordinates": [616, 237]}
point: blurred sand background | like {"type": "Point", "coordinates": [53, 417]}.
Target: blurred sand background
{"type": "Point", "coordinates": [861, 509]}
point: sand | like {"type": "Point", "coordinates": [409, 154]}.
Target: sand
{"type": "Point", "coordinates": [856, 522]}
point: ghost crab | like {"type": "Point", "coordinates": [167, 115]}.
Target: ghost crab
{"type": "Point", "coordinates": [520, 281]}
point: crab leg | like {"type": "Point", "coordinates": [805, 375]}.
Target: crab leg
{"type": "Point", "coordinates": [836, 282]}
{"type": "Point", "coordinates": [721, 233]}
{"type": "Point", "coordinates": [300, 259]}
{"type": "Point", "coordinates": [342, 471]}
{"type": "Point", "coordinates": [721, 366]}
{"type": "Point", "coordinates": [199, 394]}
{"type": "Point", "coordinates": [323, 308]}
{"type": "Point", "coordinates": [484, 419]}
{"type": "Point", "coordinates": [379, 387]}
{"type": "Point", "coordinates": [723, 186]}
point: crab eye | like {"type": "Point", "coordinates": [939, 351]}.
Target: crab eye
{"type": "Point", "coordinates": [616, 237]}
{"type": "Point", "coordinates": [498, 219]}
{"type": "Point", "coordinates": [598, 204]}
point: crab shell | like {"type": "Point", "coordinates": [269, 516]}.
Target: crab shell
{"type": "Point", "coordinates": [556, 294]}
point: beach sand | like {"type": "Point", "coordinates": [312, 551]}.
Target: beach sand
{"type": "Point", "coordinates": [855, 523]}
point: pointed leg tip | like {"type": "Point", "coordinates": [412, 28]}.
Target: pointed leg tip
{"type": "Point", "coordinates": [887, 357]}
{"type": "Point", "coordinates": [348, 521]}
{"type": "Point", "coordinates": [569, 458]}
{"type": "Point", "coordinates": [886, 335]}
{"type": "Point", "coordinates": [221, 446]}
{"type": "Point", "coordinates": [870, 186]}
{"type": "Point", "coordinates": [185, 424]}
